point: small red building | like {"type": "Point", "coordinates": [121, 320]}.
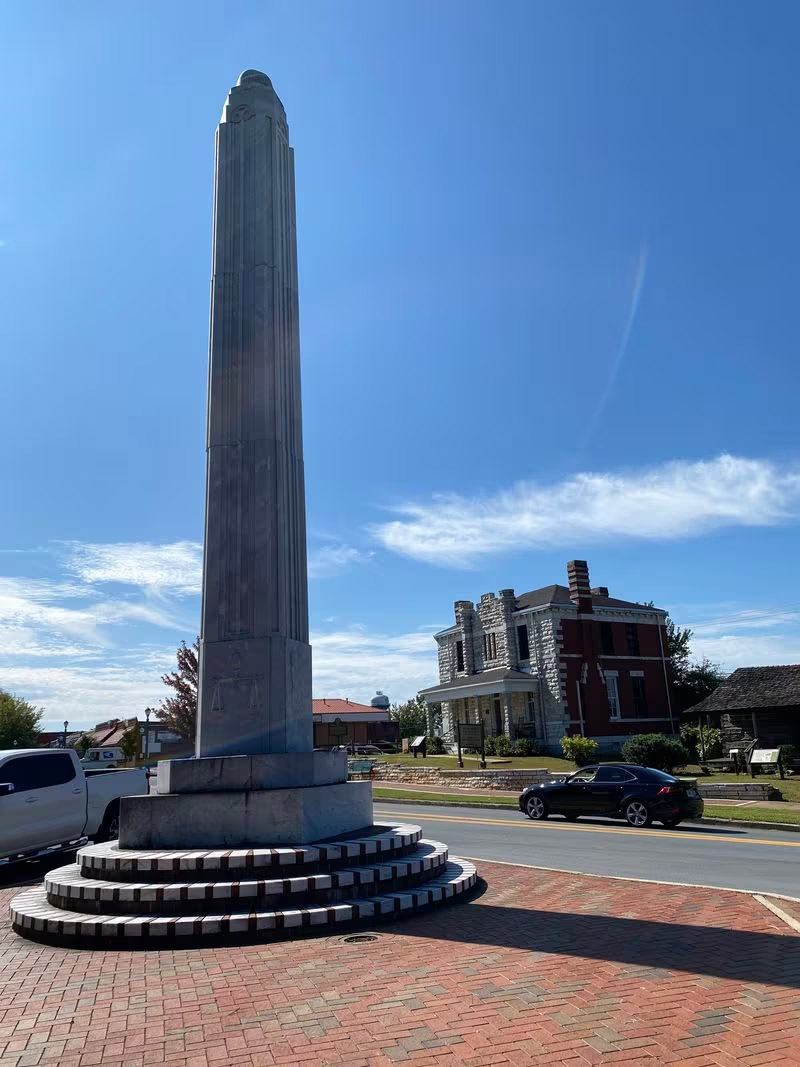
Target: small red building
{"type": "Point", "coordinates": [340, 721]}
{"type": "Point", "coordinates": [555, 661]}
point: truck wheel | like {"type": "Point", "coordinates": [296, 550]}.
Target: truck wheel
{"type": "Point", "coordinates": [109, 828]}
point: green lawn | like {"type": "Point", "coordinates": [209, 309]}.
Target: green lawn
{"type": "Point", "coordinates": [777, 813]}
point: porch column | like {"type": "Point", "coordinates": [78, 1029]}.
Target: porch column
{"type": "Point", "coordinates": [508, 716]}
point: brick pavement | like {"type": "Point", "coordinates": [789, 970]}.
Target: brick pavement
{"type": "Point", "coordinates": [543, 968]}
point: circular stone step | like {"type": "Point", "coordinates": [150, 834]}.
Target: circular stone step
{"type": "Point", "coordinates": [32, 914]}
{"type": "Point", "coordinates": [67, 888]}
{"type": "Point", "coordinates": [108, 860]}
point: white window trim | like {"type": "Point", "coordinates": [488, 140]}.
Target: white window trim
{"type": "Point", "coordinates": [613, 707]}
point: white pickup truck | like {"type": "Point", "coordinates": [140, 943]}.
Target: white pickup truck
{"type": "Point", "coordinates": [49, 803]}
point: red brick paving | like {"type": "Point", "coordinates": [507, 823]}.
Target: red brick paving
{"type": "Point", "coordinates": [543, 968]}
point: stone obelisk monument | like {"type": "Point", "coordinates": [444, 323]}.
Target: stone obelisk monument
{"type": "Point", "coordinates": [255, 777]}
{"type": "Point", "coordinates": [255, 660]}
{"type": "Point", "coordinates": [257, 834]}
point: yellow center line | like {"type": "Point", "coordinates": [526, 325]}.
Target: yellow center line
{"type": "Point", "coordinates": [572, 828]}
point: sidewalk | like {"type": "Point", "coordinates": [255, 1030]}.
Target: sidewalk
{"type": "Point", "coordinates": [543, 968]}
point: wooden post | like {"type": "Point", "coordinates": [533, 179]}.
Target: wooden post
{"type": "Point", "coordinates": [483, 746]}
{"type": "Point", "coordinates": [458, 739]}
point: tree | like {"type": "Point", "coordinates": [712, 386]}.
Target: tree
{"type": "Point", "coordinates": [83, 744]}
{"type": "Point", "coordinates": [692, 681]}
{"type": "Point", "coordinates": [179, 712]}
{"type": "Point", "coordinates": [129, 743]}
{"type": "Point", "coordinates": [19, 722]}
{"type": "Point", "coordinates": [698, 681]}
{"type": "Point", "coordinates": [412, 717]}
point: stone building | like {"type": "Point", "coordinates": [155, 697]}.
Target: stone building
{"type": "Point", "coordinates": [554, 661]}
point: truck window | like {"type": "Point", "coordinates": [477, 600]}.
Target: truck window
{"type": "Point", "coordinates": [37, 772]}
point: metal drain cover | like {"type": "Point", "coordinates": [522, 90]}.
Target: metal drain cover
{"type": "Point", "coordinates": [358, 939]}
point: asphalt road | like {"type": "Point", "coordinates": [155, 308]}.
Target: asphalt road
{"type": "Point", "coordinates": [763, 861]}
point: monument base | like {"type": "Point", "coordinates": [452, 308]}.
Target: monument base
{"type": "Point", "coordinates": [274, 770]}
{"type": "Point", "coordinates": [244, 817]}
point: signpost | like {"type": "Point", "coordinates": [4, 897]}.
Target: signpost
{"type": "Point", "coordinates": [420, 744]}
{"type": "Point", "coordinates": [761, 756]}
{"type": "Point", "coordinates": [471, 735]}
{"type": "Point", "coordinates": [337, 730]}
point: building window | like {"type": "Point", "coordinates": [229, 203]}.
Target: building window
{"type": "Point", "coordinates": [522, 642]}
{"type": "Point", "coordinates": [530, 710]}
{"type": "Point", "coordinates": [639, 697]}
{"type": "Point", "coordinates": [606, 639]}
{"type": "Point", "coordinates": [612, 687]}
{"type": "Point", "coordinates": [459, 655]}
{"type": "Point", "coordinates": [490, 646]}
{"type": "Point", "coordinates": [632, 637]}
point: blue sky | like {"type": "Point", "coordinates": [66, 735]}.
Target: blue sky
{"type": "Point", "coordinates": [548, 293]}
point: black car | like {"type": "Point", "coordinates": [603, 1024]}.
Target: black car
{"type": "Point", "coordinates": [621, 790]}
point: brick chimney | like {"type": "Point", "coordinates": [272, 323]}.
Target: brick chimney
{"type": "Point", "coordinates": [580, 592]}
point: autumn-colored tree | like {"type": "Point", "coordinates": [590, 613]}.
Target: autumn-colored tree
{"type": "Point", "coordinates": [179, 712]}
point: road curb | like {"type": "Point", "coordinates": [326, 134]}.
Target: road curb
{"type": "Point", "coordinates": [793, 828]}
{"type": "Point", "coordinates": [446, 803]}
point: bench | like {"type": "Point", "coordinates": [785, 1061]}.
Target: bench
{"type": "Point", "coordinates": [360, 767]}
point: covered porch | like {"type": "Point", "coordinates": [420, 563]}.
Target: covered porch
{"type": "Point", "coordinates": [505, 700]}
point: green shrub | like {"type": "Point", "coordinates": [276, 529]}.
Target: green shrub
{"type": "Point", "coordinates": [655, 750]}
{"type": "Point", "coordinates": [712, 742]}
{"type": "Point", "coordinates": [435, 746]}
{"type": "Point", "coordinates": [581, 750]}
{"type": "Point", "coordinates": [788, 754]}
{"type": "Point", "coordinates": [488, 746]}
{"type": "Point", "coordinates": [523, 746]}
{"type": "Point", "coordinates": [502, 745]}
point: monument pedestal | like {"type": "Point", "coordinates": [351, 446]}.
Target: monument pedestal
{"type": "Point", "coordinates": [245, 817]}
{"type": "Point", "coordinates": [278, 798]}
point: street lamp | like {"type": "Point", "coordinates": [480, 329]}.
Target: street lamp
{"type": "Point", "coordinates": [147, 713]}
{"type": "Point", "coordinates": [66, 724]}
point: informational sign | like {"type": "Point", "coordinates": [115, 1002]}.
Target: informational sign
{"type": "Point", "coordinates": [765, 755]}
{"type": "Point", "coordinates": [470, 734]}
{"type": "Point", "coordinates": [337, 728]}
{"type": "Point", "coordinates": [418, 742]}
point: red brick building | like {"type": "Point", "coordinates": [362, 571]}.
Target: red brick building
{"type": "Point", "coordinates": [556, 660]}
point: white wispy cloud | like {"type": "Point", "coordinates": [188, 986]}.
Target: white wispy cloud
{"type": "Point", "coordinates": [330, 560]}
{"type": "Point", "coordinates": [356, 662]}
{"type": "Point", "coordinates": [172, 568]}
{"type": "Point", "coordinates": [675, 500]}
{"type": "Point", "coordinates": [86, 694]}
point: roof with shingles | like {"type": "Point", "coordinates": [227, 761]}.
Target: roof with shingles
{"type": "Point", "coordinates": [559, 594]}
{"type": "Point", "coordinates": [755, 687]}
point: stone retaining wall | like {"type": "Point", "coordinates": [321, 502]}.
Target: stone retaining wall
{"type": "Point", "coordinates": [430, 777]}
{"type": "Point", "coordinates": [738, 791]}
{"type": "Point", "coordinates": [516, 780]}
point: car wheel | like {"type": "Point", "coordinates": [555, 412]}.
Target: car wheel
{"type": "Point", "coordinates": [637, 813]}
{"type": "Point", "coordinates": [109, 828]}
{"type": "Point", "coordinates": [535, 808]}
